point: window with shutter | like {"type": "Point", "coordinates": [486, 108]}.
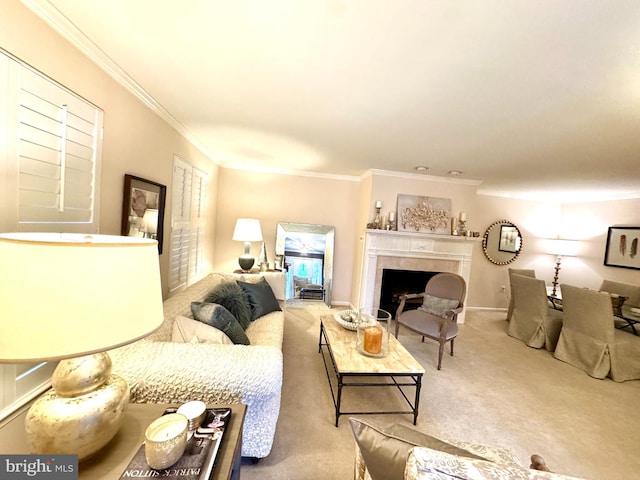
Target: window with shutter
{"type": "Point", "coordinates": [187, 225]}
{"type": "Point", "coordinates": [52, 143]}
{"type": "Point", "coordinates": [58, 148]}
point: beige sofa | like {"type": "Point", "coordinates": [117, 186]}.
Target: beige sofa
{"type": "Point", "coordinates": [161, 371]}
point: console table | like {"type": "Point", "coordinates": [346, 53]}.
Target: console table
{"type": "Point", "coordinates": [110, 462]}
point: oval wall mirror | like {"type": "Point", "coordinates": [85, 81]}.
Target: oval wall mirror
{"type": "Point", "coordinates": [502, 242]}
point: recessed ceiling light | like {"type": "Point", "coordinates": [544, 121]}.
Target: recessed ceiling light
{"type": "Point", "coordinates": [422, 168]}
{"type": "Point", "coordinates": [455, 173]}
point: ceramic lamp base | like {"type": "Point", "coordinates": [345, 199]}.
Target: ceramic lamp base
{"type": "Point", "coordinates": [78, 423]}
{"type": "Point", "coordinates": [246, 262]}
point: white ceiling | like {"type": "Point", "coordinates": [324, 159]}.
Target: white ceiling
{"type": "Point", "coordinates": [530, 97]}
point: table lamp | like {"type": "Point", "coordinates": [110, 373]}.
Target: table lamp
{"type": "Point", "coordinates": [247, 230]}
{"type": "Point", "coordinates": [560, 248]}
{"type": "Point", "coordinates": [71, 297]}
{"type": "Point", "coordinates": [150, 222]}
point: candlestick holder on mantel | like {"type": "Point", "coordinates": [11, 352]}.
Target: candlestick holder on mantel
{"type": "Point", "coordinates": [391, 223]}
{"type": "Point", "coordinates": [462, 224]}
{"type": "Point", "coordinates": [377, 220]}
{"type": "Point", "coordinates": [462, 228]}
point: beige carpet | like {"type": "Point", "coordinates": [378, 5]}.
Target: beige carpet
{"type": "Point", "coordinates": [308, 304]}
{"type": "Point", "coordinates": [495, 390]}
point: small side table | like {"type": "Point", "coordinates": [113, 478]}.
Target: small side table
{"type": "Point", "coordinates": [110, 462]}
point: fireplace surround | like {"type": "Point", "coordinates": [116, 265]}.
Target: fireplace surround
{"type": "Point", "coordinates": [424, 252]}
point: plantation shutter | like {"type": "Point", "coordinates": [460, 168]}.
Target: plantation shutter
{"type": "Point", "coordinates": [187, 225]}
{"type": "Point", "coordinates": [180, 215]}
{"type": "Point", "coordinates": [58, 147]}
{"type": "Point", "coordinates": [198, 211]}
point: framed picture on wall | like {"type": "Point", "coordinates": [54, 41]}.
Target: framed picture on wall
{"type": "Point", "coordinates": [143, 209]}
{"type": "Point", "coordinates": [622, 247]}
{"type": "Point", "coordinates": [509, 239]}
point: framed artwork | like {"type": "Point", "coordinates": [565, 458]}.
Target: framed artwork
{"type": "Point", "coordinates": [509, 240]}
{"type": "Point", "coordinates": [622, 247]}
{"type": "Point", "coordinates": [143, 209]}
{"type": "Point", "coordinates": [424, 214]}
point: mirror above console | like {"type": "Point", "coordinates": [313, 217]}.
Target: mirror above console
{"type": "Point", "coordinates": [502, 242]}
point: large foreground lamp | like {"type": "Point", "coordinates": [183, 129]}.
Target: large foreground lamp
{"type": "Point", "coordinates": [71, 297]}
{"type": "Point", "coordinates": [560, 248]}
{"type": "Point", "coordinates": [247, 230]}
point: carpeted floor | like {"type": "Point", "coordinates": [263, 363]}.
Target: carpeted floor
{"type": "Point", "coordinates": [495, 390]}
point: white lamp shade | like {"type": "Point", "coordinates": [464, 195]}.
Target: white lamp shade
{"type": "Point", "coordinates": [562, 247]}
{"type": "Point", "coordinates": [66, 295]}
{"type": "Point", "coordinates": [247, 230]}
{"type": "Point", "coordinates": [150, 221]}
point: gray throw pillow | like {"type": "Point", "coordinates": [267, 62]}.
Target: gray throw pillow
{"type": "Point", "coordinates": [219, 317]}
{"type": "Point", "coordinates": [233, 298]}
{"type": "Point", "coordinates": [261, 298]}
{"type": "Point", "coordinates": [385, 448]}
{"type": "Point", "coordinates": [438, 306]}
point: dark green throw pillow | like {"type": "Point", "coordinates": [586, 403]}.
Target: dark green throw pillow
{"type": "Point", "coordinates": [261, 298]}
{"type": "Point", "coordinates": [217, 316]}
{"type": "Point", "coordinates": [233, 298]}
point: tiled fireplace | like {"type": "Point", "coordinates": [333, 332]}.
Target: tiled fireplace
{"type": "Point", "coordinates": [412, 251]}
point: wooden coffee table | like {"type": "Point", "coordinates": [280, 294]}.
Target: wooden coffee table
{"type": "Point", "coordinates": [352, 369]}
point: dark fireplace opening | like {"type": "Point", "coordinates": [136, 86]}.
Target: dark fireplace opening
{"type": "Point", "coordinates": [396, 283]}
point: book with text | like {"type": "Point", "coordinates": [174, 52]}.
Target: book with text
{"type": "Point", "coordinates": [199, 456]}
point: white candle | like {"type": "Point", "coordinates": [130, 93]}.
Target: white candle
{"type": "Point", "coordinates": [378, 204]}
{"type": "Point", "coordinates": [392, 216]}
{"type": "Point", "coordinates": [165, 440]}
{"type": "Point", "coordinates": [463, 216]}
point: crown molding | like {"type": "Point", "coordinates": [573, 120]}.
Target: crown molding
{"type": "Point", "coordinates": [563, 197]}
{"type": "Point", "coordinates": [68, 30]}
{"type": "Point", "coordinates": [419, 176]}
{"type": "Point", "coordinates": [296, 173]}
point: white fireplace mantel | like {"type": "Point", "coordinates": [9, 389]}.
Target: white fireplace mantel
{"type": "Point", "coordinates": [412, 251]}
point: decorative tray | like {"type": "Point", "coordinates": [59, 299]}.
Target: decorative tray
{"type": "Point", "coordinates": [347, 318]}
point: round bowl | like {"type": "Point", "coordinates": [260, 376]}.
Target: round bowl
{"type": "Point", "coordinates": [165, 440]}
{"type": "Point", "coordinates": [347, 318]}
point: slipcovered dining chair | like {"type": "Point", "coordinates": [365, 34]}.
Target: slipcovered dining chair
{"type": "Point", "coordinates": [436, 318]}
{"type": "Point", "coordinates": [532, 320]}
{"type": "Point", "coordinates": [590, 341]}
{"type": "Point", "coordinates": [632, 292]}
{"type": "Point", "coordinates": [517, 271]}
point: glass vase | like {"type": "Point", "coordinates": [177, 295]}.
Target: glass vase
{"type": "Point", "coordinates": [373, 332]}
